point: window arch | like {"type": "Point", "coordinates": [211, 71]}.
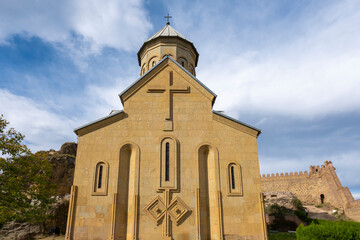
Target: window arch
{"type": "Point", "coordinates": [234, 179]}
{"type": "Point", "coordinates": [100, 179]}
{"type": "Point", "coordinates": [143, 69]}
{"type": "Point", "coordinates": [152, 62]}
{"type": "Point", "coordinates": [192, 69]}
{"type": "Point", "coordinates": [183, 62]}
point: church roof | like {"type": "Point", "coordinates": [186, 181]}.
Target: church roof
{"type": "Point", "coordinates": [237, 121]}
{"type": "Point", "coordinates": [167, 31]}
{"type": "Point", "coordinates": [112, 114]}
{"type": "Point", "coordinates": [162, 60]}
{"type": "Point", "coordinates": [116, 115]}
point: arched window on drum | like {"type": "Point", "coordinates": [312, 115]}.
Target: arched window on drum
{"type": "Point", "coordinates": [183, 62]}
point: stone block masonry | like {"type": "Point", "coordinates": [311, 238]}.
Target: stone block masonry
{"type": "Point", "coordinates": [320, 185]}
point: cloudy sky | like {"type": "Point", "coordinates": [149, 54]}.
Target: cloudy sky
{"type": "Point", "coordinates": [290, 68]}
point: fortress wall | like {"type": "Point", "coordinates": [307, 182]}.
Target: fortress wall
{"type": "Point", "coordinates": [353, 213]}
{"type": "Point", "coordinates": [354, 204]}
{"type": "Point", "coordinates": [307, 189]}
{"type": "Point", "coordinates": [310, 186]}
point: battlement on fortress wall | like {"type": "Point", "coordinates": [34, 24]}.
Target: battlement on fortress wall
{"type": "Point", "coordinates": [294, 175]}
{"type": "Point", "coordinates": [284, 175]}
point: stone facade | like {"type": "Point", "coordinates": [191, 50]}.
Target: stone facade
{"type": "Point", "coordinates": [167, 166]}
{"type": "Point", "coordinates": [320, 185]}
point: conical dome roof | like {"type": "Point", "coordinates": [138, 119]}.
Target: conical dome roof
{"type": "Point", "coordinates": [167, 31]}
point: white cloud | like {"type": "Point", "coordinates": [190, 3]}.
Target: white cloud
{"type": "Point", "coordinates": [104, 99]}
{"type": "Point", "coordinates": [44, 122]}
{"type": "Point", "coordinates": [119, 24]}
{"type": "Point", "coordinates": [43, 128]}
{"type": "Point", "coordinates": [311, 72]}
{"type": "Point", "coordinates": [356, 196]}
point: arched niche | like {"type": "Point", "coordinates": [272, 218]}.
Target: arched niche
{"type": "Point", "coordinates": [209, 212]}
{"type": "Point", "coordinates": [143, 69]}
{"type": "Point", "coordinates": [192, 69]}
{"type": "Point", "coordinates": [127, 192]}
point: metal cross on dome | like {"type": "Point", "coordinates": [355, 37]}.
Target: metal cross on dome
{"type": "Point", "coordinates": [168, 19]}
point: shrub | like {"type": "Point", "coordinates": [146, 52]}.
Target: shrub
{"type": "Point", "coordinates": [297, 204]}
{"type": "Point", "coordinates": [327, 230]}
{"type": "Point", "coordinates": [276, 210]}
{"type": "Point", "coordinates": [300, 214]}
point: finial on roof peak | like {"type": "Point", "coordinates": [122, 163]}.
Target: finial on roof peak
{"type": "Point", "coordinates": [168, 19]}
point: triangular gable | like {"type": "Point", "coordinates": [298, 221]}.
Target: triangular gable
{"type": "Point", "coordinates": [113, 117]}
{"type": "Point", "coordinates": [234, 123]}
{"type": "Point", "coordinates": [149, 74]}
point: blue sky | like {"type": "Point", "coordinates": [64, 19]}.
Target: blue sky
{"type": "Point", "coordinates": [290, 68]}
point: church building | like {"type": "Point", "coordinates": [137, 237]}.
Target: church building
{"type": "Point", "coordinates": [167, 166]}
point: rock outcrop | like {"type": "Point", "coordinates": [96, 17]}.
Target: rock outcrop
{"type": "Point", "coordinates": [24, 231]}
{"type": "Point", "coordinates": [283, 199]}
{"type": "Point", "coordinates": [63, 163]}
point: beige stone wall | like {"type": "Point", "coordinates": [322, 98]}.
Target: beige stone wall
{"type": "Point", "coordinates": [309, 187]}
{"type": "Point", "coordinates": [354, 211]}
{"type": "Point", "coordinates": [142, 124]}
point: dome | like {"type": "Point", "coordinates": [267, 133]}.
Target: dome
{"type": "Point", "coordinates": [167, 41]}
{"type": "Point", "coordinates": [167, 31]}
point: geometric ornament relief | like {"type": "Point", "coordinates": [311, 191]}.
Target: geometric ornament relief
{"type": "Point", "coordinates": [177, 210]}
{"type": "Point", "coordinates": [157, 209]}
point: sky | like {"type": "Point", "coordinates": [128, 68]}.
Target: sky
{"type": "Point", "coordinates": [290, 68]}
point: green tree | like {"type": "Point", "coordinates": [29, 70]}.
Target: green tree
{"type": "Point", "coordinates": [25, 188]}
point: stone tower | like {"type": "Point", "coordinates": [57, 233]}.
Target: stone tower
{"type": "Point", "coordinates": [167, 166]}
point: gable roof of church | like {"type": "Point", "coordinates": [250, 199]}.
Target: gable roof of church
{"type": "Point", "coordinates": [131, 87]}
{"type": "Point", "coordinates": [118, 115]}
{"type": "Point", "coordinates": [114, 116]}
{"type": "Point", "coordinates": [224, 116]}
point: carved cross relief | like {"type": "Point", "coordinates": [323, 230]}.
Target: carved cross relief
{"type": "Point", "coordinates": [169, 91]}
{"type": "Point", "coordinates": [167, 211]}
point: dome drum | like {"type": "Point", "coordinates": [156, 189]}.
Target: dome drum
{"type": "Point", "coordinates": [167, 42]}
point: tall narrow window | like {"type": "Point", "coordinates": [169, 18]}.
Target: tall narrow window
{"type": "Point", "coordinates": [100, 176]}
{"type": "Point", "coordinates": [168, 169]}
{"type": "Point", "coordinates": [232, 178]}
{"type": "Point", "coordinates": [153, 63]}
{"type": "Point", "coordinates": [101, 173]}
{"type": "Point", "coordinates": [167, 162]}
